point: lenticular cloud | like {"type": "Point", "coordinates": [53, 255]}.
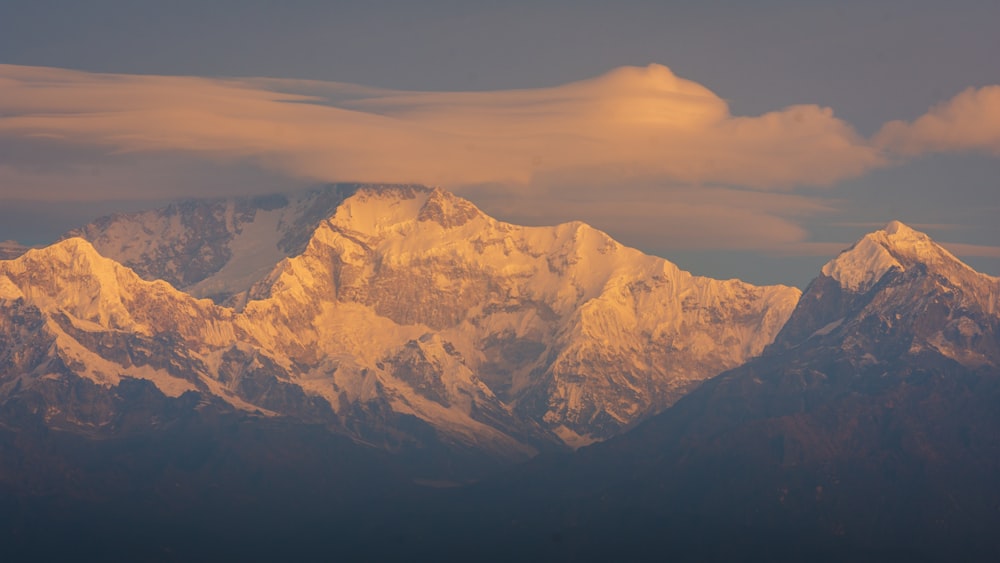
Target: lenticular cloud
{"type": "Point", "coordinates": [631, 122]}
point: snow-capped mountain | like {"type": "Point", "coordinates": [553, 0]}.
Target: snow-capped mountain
{"type": "Point", "coordinates": [868, 431]}
{"type": "Point", "coordinates": [898, 292]}
{"type": "Point", "coordinates": [564, 325]}
{"type": "Point", "coordinates": [406, 313]}
{"type": "Point", "coordinates": [215, 248]}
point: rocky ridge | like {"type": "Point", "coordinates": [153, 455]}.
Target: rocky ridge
{"type": "Point", "coordinates": [867, 431]}
{"type": "Point", "coordinates": [408, 313]}
{"type": "Point", "coordinates": [215, 248]}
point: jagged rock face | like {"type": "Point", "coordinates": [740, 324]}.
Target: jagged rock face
{"type": "Point", "coordinates": [408, 316]}
{"type": "Point", "coordinates": [214, 248]}
{"type": "Point", "coordinates": [567, 327]}
{"type": "Point", "coordinates": [894, 293]}
{"type": "Point", "coordinates": [70, 314]}
{"type": "Point", "coordinates": [23, 344]}
{"type": "Point", "coordinates": [870, 426]}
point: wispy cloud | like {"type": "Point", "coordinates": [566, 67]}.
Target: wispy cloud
{"type": "Point", "coordinates": [970, 121]}
{"type": "Point", "coordinates": [631, 122]}
{"type": "Point", "coordinates": [639, 151]}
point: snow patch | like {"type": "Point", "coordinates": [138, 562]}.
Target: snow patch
{"type": "Point", "coordinates": [861, 266]}
{"type": "Point", "coordinates": [895, 246]}
{"type": "Point", "coordinates": [827, 329]}
{"type": "Point", "coordinates": [9, 290]}
{"type": "Point", "coordinates": [572, 439]}
{"type": "Point", "coordinates": [960, 354]}
{"type": "Point", "coordinates": [254, 253]}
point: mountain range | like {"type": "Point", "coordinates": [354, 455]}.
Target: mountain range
{"type": "Point", "coordinates": [610, 404]}
{"type": "Point", "coordinates": [868, 431]}
{"type": "Point", "coordinates": [405, 312]}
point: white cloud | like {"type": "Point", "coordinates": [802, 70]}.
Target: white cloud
{"type": "Point", "coordinates": [631, 122]}
{"type": "Point", "coordinates": [970, 121]}
{"type": "Point", "coordinates": [639, 152]}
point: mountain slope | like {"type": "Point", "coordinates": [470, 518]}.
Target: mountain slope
{"type": "Point", "coordinates": [214, 248]}
{"type": "Point", "coordinates": [72, 314]}
{"type": "Point", "coordinates": [408, 320]}
{"type": "Point", "coordinates": [896, 286]}
{"type": "Point", "coordinates": [569, 328]}
{"type": "Point", "coordinates": [869, 431]}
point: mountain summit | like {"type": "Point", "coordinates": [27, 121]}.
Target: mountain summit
{"type": "Point", "coordinates": [407, 317]}
{"type": "Point", "coordinates": [214, 248]}
{"type": "Point", "coordinates": [868, 431]}
{"type": "Point", "coordinates": [895, 246]}
{"type": "Point", "coordinates": [899, 293]}
{"type": "Point", "coordinates": [412, 337]}
{"type": "Point", "coordinates": [565, 326]}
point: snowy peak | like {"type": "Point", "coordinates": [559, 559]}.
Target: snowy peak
{"type": "Point", "coordinates": [898, 229]}
{"type": "Point", "coordinates": [380, 210]}
{"type": "Point", "coordinates": [71, 278]}
{"type": "Point", "coordinates": [896, 246]}
{"type": "Point", "coordinates": [377, 210]}
{"type": "Point", "coordinates": [860, 267]}
{"type": "Point", "coordinates": [573, 331]}
{"type": "Point", "coordinates": [69, 258]}
{"type": "Point", "coordinates": [215, 248]}
{"type": "Point", "coordinates": [912, 247]}
{"type": "Point", "coordinates": [402, 303]}
{"type": "Point", "coordinates": [896, 293]}
{"type": "Point", "coordinates": [74, 267]}
{"type": "Point", "coordinates": [448, 210]}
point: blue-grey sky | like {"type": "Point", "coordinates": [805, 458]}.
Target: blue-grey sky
{"type": "Point", "coordinates": [735, 193]}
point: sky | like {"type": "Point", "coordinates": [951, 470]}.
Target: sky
{"type": "Point", "coordinates": [736, 139]}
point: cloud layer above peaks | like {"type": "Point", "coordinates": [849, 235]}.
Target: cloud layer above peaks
{"type": "Point", "coordinates": [640, 152]}
{"type": "Point", "coordinates": [633, 122]}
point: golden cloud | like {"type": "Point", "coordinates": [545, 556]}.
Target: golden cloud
{"type": "Point", "coordinates": [632, 122]}
{"type": "Point", "coordinates": [678, 161]}
{"type": "Point", "coordinates": [970, 121]}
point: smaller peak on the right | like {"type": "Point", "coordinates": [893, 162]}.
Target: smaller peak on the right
{"type": "Point", "coordinates": [894, 246]}
{"type": "Point", "coordinates": [904, 241]}
{"type": "Point", "coordinates": [898, 229]}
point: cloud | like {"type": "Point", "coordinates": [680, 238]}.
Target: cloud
{"type": "Point", "coordinates": [970, 121]}
{"type": "Point", "coordinates": [629, 123]}
{"type": "Point", "coordinates": [658, 161]}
